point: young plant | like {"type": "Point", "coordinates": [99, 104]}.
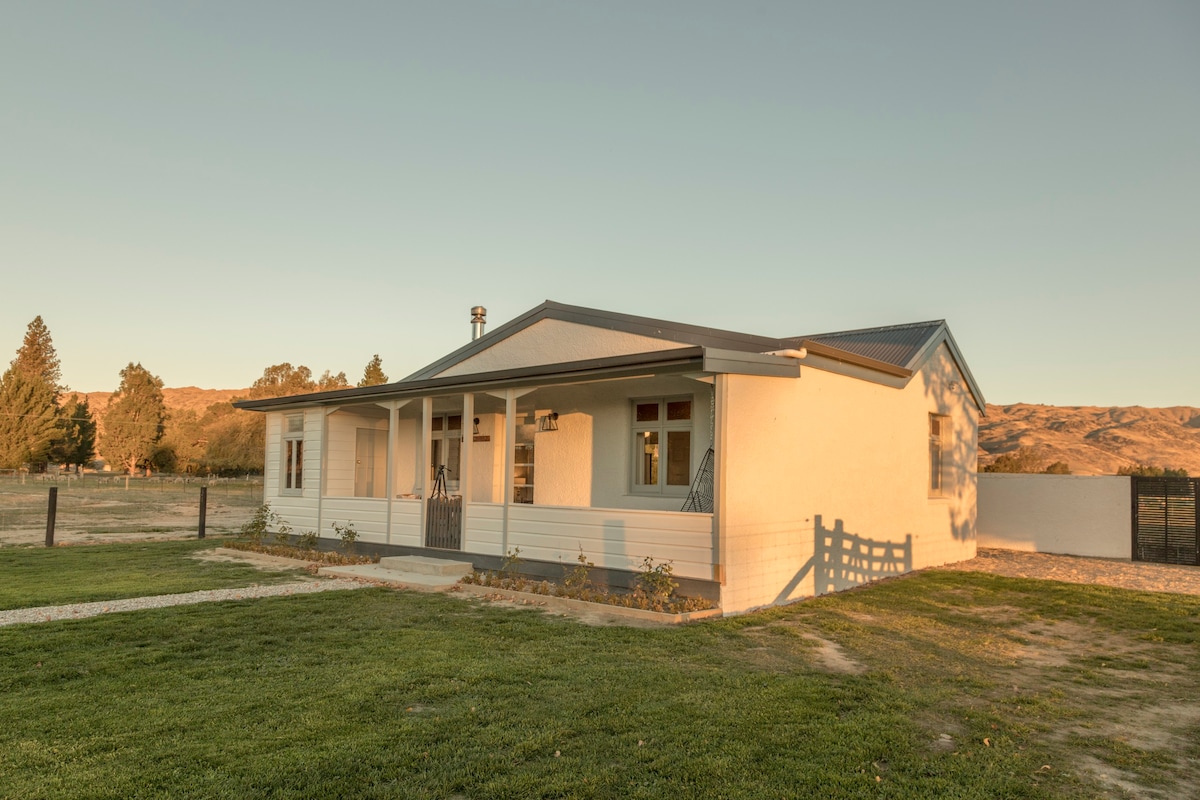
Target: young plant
{"type": "Point", "coordinates": [283, 532]}
{"type": "Point", "coordinates": [655, 584]}
{"type": "Point", "coordinates": [260, 522]}
{"type": "Point", "coordinates": [511, 564]}
{"type": "Point", "coordinates": [307, 540]}
{"type": "Point", "coordinates": [576, 579]}
{"type": "Point", "coordinates": [346, 533]}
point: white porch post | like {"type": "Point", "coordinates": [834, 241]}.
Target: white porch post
{"type": "Point", "coordinates": [464, 463]}
{"type": "Point", "coordinates": [426, 458]}
{"type": "Point", "coordinates": [393, 407]}
{"type": "Point", "coordinates": [324, 462]}
{"type": "Point", "coordinates": [510, 438]}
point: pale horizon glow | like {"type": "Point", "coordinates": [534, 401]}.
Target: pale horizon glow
{"type": "Point", "coordinates": [210, 189]}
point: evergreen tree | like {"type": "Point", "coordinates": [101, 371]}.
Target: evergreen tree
{"type": "Point", "coordinates": [373, 374]}
{"type": "Point", "coordinates": [133, 423]}
{"type": "Point", "coordinates": [36, 357]}
{"type": "Point", "coordinates": [28, 420]}
{"type": "Point", "coordinates": [77, 433]}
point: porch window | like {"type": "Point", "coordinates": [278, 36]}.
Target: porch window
{"type": "Point", "coordinates": [292, 471]}
{"type": "Point", "coordinates": [939, 444]}
{"type": "Point", "coordinates": [662, 445]}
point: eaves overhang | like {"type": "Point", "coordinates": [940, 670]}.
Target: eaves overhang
{"type": "Point", "coordinates": [684, 360]}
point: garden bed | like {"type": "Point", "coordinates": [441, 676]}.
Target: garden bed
{"type": "Point", "coordinates": [588, 608]}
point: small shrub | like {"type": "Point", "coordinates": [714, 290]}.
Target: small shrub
{"type": "Point", "coordinates": [655, 584]}
{"type": "Point", "coordinates": [260, 523]}
{"type": "Point", "coordinates": [577, 578]}
{"type": "Point", "coordinates": [307, 540]}
{"type": "Point", "coordinates": [347, 534]}
{"type": "Point", "coordinates": [512, 562]}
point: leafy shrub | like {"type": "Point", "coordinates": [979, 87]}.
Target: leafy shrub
{"type": "Point", "coordinates": [655, 584]}
{"type": "Point", "coordinates": [347, 534]}
{"type": "Point", "coordinates": [577, 578]}
{"type": "Point", "coordinates": [261, 521]}
{"type": "Point", "coordinates": [307, 540]}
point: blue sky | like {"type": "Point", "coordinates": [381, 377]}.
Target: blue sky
{"type": "Point", "coordinates": [212, 188]}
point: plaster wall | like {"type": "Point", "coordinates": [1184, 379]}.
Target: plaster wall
{"type": "Point", "coordinates": [552, 341]}
{"type": "Point", "coordinates": [404, 460]}
{"type": "Point", "coordinates": [825, 481]}
{"type": "Point", "coordinates": [487, 459]}
{"type": "Point", "coordinates": [1082, 515]}
{"type": "Point", "coordinates": [588, 462]}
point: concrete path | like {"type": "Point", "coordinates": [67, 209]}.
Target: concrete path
{"type": "Point", "coordinates": [20, 616]}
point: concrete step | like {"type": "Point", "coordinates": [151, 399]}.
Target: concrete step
{"type": "Point", "coordinates": [424, 565]}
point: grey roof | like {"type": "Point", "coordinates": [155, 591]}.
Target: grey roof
{"type": "Point", "coordinates": [899, 345]}
{"type": "Point", "coordinates": [897, 350]}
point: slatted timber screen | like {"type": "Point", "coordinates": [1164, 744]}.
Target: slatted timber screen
{"type": "Point", "coordinates": [1164, 520]}
{"type": "Point", "coordinates": [443, 523]}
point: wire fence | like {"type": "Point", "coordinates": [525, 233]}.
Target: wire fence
{"type": "Point", "coordinates": [97, 507]}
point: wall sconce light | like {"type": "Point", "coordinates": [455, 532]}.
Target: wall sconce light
{"type": "Point", "coordinates": [475, 426]}
{"type": "Point", "coordinates": [549, 422]}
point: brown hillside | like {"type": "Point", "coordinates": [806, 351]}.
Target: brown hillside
{"type": "Point", "coordinates": [189, 397]}
{"type": "Point", "coordinates": [1095, 440]}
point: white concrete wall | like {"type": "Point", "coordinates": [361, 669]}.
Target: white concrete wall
{"type": "Point", "coordinates": [553, 341]}
{"type": "Point", "coordinates": [1083, 515]}
{"type": "Point", "coordinates": [825, 479]}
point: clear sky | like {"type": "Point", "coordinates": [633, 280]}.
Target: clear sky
{"type": "Point", "coordinates": [212, 188]}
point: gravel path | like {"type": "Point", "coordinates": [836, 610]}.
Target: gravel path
{"type": "Point", "coordinates": [80, 610]}
{"type": "Point", "coordinates": [1077, 569]}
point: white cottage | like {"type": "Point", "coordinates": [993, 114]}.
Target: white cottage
{"type": "Point", "coordinates": [764, 469]}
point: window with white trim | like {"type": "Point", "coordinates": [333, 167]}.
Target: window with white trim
{"type": "Point", "coordinates": [939, 451]}
{"type": "Point", "coordinates": [662, 445]}
{"type": "Point", "coordinates": [291, 476]}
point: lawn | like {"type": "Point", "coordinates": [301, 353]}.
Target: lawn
{"type": "Point", "coordinates": [38, 576]}
{"type": "Point", "coordinates": [940, 684]}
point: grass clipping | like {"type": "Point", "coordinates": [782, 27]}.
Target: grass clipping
{"type": "Point", "coordinates": [654, 587]}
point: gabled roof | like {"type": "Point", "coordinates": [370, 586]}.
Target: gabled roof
{"type": "Point", "coordinates": [897, 351]}
{"type": "Point", "coordinates": [644, 326]}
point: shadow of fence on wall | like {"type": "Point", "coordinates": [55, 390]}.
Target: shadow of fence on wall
{"type": "Point", "coordinates": [842, 560]}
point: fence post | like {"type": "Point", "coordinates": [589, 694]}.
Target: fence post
{"type": "Point", "coordinates": [203, 508]}
{"type": "Point", "coordinates": [51, 512]}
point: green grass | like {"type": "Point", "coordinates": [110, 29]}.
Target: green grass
{"type": "Point", "coordinates": [36, 576]}
{"type": "Point", "coordinates": [375, 693]}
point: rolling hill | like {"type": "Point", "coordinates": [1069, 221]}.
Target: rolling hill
{"type": "Point", "coordinates": [1095, 440]}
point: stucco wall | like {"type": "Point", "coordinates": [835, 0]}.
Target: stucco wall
{"type": "Point", "coordinates": [826, 481]}
{"type": "Point", "coordinates": [1083, 515]}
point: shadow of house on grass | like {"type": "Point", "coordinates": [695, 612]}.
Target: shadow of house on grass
{"type": "Point", "coordinates": [843, 560]}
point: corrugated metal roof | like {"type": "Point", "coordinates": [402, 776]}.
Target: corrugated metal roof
{"type": "Point", "coordinates": [894, 344]}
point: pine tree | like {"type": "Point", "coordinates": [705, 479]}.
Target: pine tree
{"type": "Point", "coordinates": [373, 374]}
{"type": "Point", "coordinates": [28, 420]}
{"type": "Point", "coordinates": [77, 433]}
{"type": "Point", "coordinates": [36, 357]}
{"type": "Point", "coordinates": [133, 423]}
